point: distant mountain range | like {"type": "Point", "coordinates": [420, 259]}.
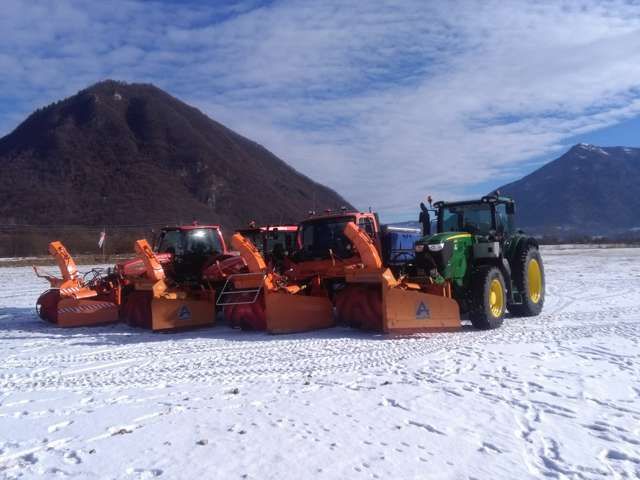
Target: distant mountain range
{"type": "Point", "coordinates": [588, 190]}
{"type": "Point", "coordinates": [119, 153]}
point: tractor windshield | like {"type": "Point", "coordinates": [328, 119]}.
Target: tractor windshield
{"type": "Point", "coordinates": [321, 238]}
{"type": "Point", "coordinates": [170, 242]}
{"type": "Point", "coordinates": [473, 218]}
{"type": "Point", "coordinates": [201, 242]}
{"type": "Point", "coordinates": [279, 241]}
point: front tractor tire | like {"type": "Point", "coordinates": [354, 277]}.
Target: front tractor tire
{"type": "Point", "coordinates": [488, 298]}
{"type": "Point", "coordinates": [528, 278]}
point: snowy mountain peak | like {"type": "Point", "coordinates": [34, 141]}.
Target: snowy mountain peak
{"type": "Point", "coordinates": [592, 148]}
{"type": "Point", "coordinates": [589, 189]}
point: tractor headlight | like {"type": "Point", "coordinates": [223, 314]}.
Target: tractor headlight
{"type": "Point", "coordinates": [419, 248]}
{"type": "Point", "coordinates": [436, 247]}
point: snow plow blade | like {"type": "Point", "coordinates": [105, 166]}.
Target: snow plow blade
{"type": "Point", "coordinates": [172, 314]}
{"type": "Point", "coordinates": [385, 305]}
{"type": "Point", "coordinates": [413, 311]}
{"type": "Point", "coordinates": [373, 299]}
{"type": "Point", "coordinates": [162, 314]}
{"type": "Point", "coordinates": [290, 313]}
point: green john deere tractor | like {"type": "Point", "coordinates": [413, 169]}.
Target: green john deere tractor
{"type": "Point", "coordinates": [491, 266]}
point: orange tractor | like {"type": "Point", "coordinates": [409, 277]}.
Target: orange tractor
{"type": "Point", "coordinates": [171, 287]}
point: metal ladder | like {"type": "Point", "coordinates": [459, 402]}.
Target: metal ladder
{"type": "Point", "coordinates": [229, 289]}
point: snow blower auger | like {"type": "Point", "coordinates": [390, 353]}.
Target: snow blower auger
{"type": "Point", "coordinates": [373, 299]}
{"type": "Point", "coordinates": [162, 304]}
{"type": "Point", "coordinates": [261, 299]}
{"type": "Point", "coordinates": [75, 301]}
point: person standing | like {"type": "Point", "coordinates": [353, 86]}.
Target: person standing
{"type": "Point", "coordinates": [425, 219]}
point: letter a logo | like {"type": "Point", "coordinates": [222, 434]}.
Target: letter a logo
{"type": "Point", "coordinates": [422, 312]}
{"type": "Point", "coordinates": [184, 313]}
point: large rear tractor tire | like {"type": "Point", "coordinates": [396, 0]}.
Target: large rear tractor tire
{"type": "Point", "coordinates": [528, 278]}
{"type": "Point", "coordinates": [488, 298]}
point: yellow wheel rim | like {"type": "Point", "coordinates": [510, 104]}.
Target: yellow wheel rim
{"type": "Point", "coordinates": [496, 298]}
{"type": "Point", "coordinates": [534, 274]}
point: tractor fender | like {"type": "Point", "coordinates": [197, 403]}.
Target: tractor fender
{"type": "Point", "coordinates": [517, 245]}
{"type": "Point", "coordinates": [521, 244]}
{"type": "Point", "coordinates": [525, 243]}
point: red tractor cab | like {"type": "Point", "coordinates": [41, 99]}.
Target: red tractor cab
{"type": "Point", "coordinates": [186, 252]}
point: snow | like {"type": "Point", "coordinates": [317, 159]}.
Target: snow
{"type": "Point", "coordinates": [553, 396]}
{"type": "Point", "coordinates": [592, 148]}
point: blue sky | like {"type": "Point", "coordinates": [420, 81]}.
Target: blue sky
{"type": "Point", "coordinates": [384, 101]}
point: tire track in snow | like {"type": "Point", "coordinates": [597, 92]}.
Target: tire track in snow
{"type": "Point", "coordinates": [206, 362]}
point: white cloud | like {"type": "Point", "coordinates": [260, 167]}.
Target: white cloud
{"type": "Point", "coordinates": [384, 101]}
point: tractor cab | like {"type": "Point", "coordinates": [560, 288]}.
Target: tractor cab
{"type": "Point", "coordinates": [273, 242]}
{"type": "Point", "coordinates": [467, 231]}
{"type": "Point", "coordinates": [183, 251]}
{"type": "Point", "coordinates": [322, 237]}
{"type": "Point", "coordinates": [189, 241]}
{"type": "Point", "coordinates": [491, 217]}
{"type": "Point", "coordinates": [323, 249]}
{"type": "Point", "coordinates": [191, 248]}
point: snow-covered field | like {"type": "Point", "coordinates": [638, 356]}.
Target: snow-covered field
{"type": "Point", "coordinates": [555, 396]}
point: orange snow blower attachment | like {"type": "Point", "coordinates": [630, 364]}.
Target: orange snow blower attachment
{"type": "Point", "coordinates": [263, 300]}
{"type": "Point", "coordinates": [72, 302]}
{"type": "Point", "coordinates": [158, 304]}
{"type": "Point", "coordinates": [373, 299]}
